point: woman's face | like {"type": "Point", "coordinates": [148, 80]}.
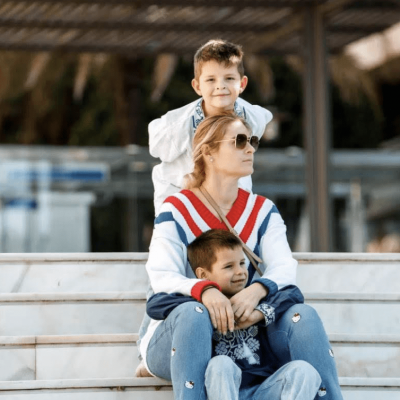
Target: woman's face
{"type": "Point", "coordinates": [230, 161]}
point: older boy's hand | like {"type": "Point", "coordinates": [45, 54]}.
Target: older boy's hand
{"type": "Point", "coordinates": [255, 316]}
{"type": "Point", "coordinates": [220, 310]}
{"type": "Point", "coordinates": [245, 301]}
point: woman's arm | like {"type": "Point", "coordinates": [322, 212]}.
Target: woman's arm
{"type": "Point", "coordinates": [280, 266]}
{"type": "Point", "coordinates": [168, 268]}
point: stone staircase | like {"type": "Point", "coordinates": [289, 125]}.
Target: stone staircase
{"type": "Point", "coordinates": [69, 323]}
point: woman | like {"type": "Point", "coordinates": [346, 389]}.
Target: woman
{"type": "Point", "coordinates": [179, 348]}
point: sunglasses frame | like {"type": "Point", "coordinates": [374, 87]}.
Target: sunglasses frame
{"type": "Point", "coordinates": [248, 140]}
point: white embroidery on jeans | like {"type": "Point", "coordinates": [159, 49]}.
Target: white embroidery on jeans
{"type": "Point", "coordinates": [296, 317]}
{"type": "Point", "coordinates": [322, 392]}
{"type": "Point", "coordinates": [189, 384]}
{"type": "Point", "coordinates": [199, 310]}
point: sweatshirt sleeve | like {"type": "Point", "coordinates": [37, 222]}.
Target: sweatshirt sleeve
{"type": "Point", "coordinates": [171, 135]}
{"type": "Point", "coordinates": [273, 306]}
{"type": "Point", "coordinates": [167, 266]}
{"type": "Point", "coordinates": [160, 305]}
{"type": "Point", "coordinates": [280, 266]}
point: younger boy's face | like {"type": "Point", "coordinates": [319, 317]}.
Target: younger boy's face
{"type": "Point", "coordinates": [219, 86]}
{"type": "Point", "coordinates": [229, 271]}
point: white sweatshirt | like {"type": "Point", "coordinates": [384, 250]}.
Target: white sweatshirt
{"type": "Point", "coordinates": [171, 137]}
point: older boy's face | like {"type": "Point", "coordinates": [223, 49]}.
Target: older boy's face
{"type": "Point", "coordinates": [229, 271]}
{"type": "Point", "coordinates": [219, 86]}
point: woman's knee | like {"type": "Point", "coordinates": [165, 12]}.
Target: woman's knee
{"type": "Point", "coordinates": [193, 314]}
{"type": "Point", "coordinates": [296, 316]}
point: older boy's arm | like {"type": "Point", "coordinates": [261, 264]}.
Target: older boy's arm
{"type": "Point", "coordinates": [169, 136]}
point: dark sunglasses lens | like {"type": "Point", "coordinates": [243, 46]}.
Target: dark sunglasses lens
{"type": "Point", "coordinates": [254, 142]}
{"type": "Point", "coordinates": [241, 140]}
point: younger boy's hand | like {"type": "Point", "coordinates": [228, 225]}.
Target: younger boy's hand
{"type": "Point", "coordinates": [220, 310]}
{"type": "Point", "coordinates": [255, 316]}
{"type": "Point", "coordinates": [245, 301]}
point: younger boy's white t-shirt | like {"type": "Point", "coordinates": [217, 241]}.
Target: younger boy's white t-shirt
{"type": "Point", "coordinates": [171, 137]}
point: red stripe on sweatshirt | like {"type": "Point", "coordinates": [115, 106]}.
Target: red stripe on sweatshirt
{"type": "Point", "coordinates": [178, 204]}
{"type": "Point", "coordinates": [248, 228]}
{"type": "Point", "coordinates": [208, 217]}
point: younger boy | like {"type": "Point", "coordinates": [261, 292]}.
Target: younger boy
{"type": "Point", "coordinates": [219, 79]}
{"type": "Point", "coordinates": [217, 255]}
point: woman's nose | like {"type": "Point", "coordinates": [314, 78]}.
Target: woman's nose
{"type": "Point", "coordinates": [249, 148]}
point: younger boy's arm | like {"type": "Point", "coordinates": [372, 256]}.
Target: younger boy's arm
{"type": "Point", "coordinates": [160, 305]}
{"type": "Point", "coordinates": [273, 306]}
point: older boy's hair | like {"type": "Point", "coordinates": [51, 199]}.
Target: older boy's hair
{"type": "Point", "coordinates": [222, 52]}
{"type": "Point", "coordinates": [202, 252]}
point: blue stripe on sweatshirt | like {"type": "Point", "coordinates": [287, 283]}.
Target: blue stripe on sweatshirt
{"type": "Point", "coordinates": [168, 217]}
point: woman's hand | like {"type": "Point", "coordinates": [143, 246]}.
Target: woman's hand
{"type": "Point", "coordinates": [255, 316]}
{"type": "Point", "coordinates": [245, 301]}
{"type": "Point", "coordinates": [220, 310]}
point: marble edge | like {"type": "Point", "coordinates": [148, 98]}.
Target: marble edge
{"type": "Point", "coordinates": [75, 257]}
{"type": "Point", "coordinates": [141, 257]}
{"type": "Point", "coordinates": [370, 382]}
{"type": "Point", "coordinates": [84, 383]}
{"type": "Point", "coordinates": [363, 338]}
{"type": "Point", "coordinates": [351, 296]}
{"type": "Point", "coordinates": [132, 338]}
{"type": "Point", "coordinates": [157, 383]}
{"type": "Point", "coordinates": [67, 296]}
{"type": "Point", "coordinates": [304, 257]}
{"type": "Point", "coordinates": [107, 338]}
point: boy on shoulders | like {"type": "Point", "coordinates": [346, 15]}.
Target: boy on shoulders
{"type": "Point", "coordinates": [219, 79]}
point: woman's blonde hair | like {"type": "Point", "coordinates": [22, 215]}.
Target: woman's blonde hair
{"type": "Point", "coordinates": [205, 140]}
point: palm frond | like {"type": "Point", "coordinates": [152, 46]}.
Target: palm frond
{"type": "Point", "coordinates": [163, 71]}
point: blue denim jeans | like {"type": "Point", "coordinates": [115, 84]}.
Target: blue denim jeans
{"type": "Point", "coordinates": [180, 351]}
{"type": "Point", "coordinates": [296, 380]}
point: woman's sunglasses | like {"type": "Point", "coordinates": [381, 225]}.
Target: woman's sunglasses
{"type": "Point", "coordinates": [241, 140]}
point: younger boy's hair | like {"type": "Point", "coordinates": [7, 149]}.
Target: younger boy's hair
{"type": "Point", "coordinates": [202, 252]}
{"type": "Point", "coordinates": [222, 52]}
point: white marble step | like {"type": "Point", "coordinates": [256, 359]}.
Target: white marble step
{"type": "Point", "coordinates": [358, 313]}
{"type": "Point", "coordinates": [70, 313]}
{"type": "Point", "coordinates": [158, 389]}
{"type": "Point", "coordinates": [95, 272]}
{"type": "Point", "coordinates": [48, 273]}
{"type": "Point", "coordinates": [115, 356]}
{"type": "Point", "coordinates": [24, 314]}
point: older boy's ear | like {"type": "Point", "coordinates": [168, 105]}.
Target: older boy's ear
{"type": "Point", "coordinates": [196, 86]}
{"type": "Point", "coordinates": [201, 273]}
{"type": "Point", "coordinates": [243, 83]}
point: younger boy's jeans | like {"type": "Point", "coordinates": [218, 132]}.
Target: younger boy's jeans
{"type": "Point", "coordinates": [180, 351]}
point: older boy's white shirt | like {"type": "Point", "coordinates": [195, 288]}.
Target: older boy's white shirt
{"type": "Point", "coordinates": [170, 139]}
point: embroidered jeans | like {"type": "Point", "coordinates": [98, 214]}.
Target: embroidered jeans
{"type": "Point", "coordinates": [180, 351]}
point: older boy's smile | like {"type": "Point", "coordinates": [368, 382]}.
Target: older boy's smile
{"type": "Point", "coordinates": [219, 85]}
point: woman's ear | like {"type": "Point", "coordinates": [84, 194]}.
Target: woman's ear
{"type": "Point", "coordinates": [205, 150]}
{"type": "Point", "coordinates": [202, 273]}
